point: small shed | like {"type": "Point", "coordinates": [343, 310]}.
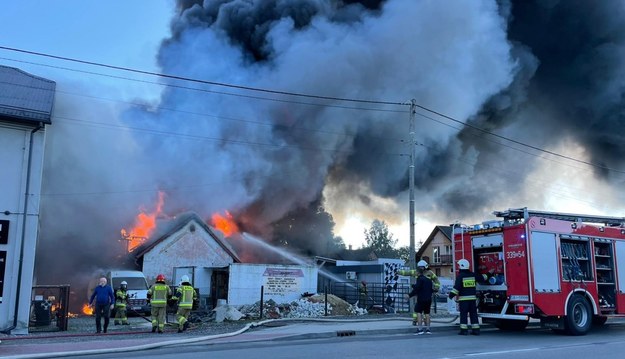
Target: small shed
{"type": "Point", "coordinates": [189, 246]}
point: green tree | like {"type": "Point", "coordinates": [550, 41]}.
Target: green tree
{"type": "Point", "coordinates": [380, 240]}
{"type": "Point", "coordinates": [404, 253]}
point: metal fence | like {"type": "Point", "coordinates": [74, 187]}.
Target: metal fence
{"type": "Point", "coordinates": [49, 310]}
{"type": "Point", "coordinates": [377, 297]}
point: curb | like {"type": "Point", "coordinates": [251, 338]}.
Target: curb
{"type": "Point", "coordinates": [409, 329]}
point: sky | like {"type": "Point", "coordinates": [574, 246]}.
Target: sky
{"type": "Point", "coordinates": [531, 97]}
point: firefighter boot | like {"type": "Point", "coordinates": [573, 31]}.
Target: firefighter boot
{"type": "Point", "coordinates": [475, 331]}
{"type": "Point", "coordinates": [153, 329]}
{"type": "Point", "coordinates": [463, 332]}
{"type": "Point", "coordinates": [185, 326]}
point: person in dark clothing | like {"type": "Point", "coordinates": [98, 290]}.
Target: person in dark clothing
{"type": "Point", "coordinates": [423, 290]}
{"type": "Point", "coordinates": [464, 289]}
{"type": "Point", "coordinates": [104, 300]}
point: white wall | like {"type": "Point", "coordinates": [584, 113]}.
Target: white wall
{"type": "Point", "coordinates": [282, 283]}
{"type": "Point", "coordinates": [185, 249]}
{"type": "Point", "coordinates": [14, 140]}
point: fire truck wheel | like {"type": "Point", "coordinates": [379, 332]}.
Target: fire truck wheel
{"type": "Point", "coordinates": [511, 325]}
{"type": "Point", "coordinates": [578, 316]}
{"type": "Point", "coordinates": [599, 320]}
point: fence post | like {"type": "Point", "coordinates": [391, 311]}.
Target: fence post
{"type": "Point", "coordinates": [262, 294]}
{"type": "Point", "coordinates": [325, 289]}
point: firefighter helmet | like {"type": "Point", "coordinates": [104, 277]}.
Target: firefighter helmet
{"type": "Point", "coordinates": [184, 279]}
{"type": "Point", "coordinates": [123, 284]}
{"type": "Point", "coordinates": [463, 264]}
{"type": "Point", "coordinates": [160, 278]}
{"type": "Point", "coordinates": [423, 264]}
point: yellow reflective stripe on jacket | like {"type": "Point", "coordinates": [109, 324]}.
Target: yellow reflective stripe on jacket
{"type": "Point", "coordinates": [186, 300]}
{"type": "Point", "coordinates": [159, 294]}
{"type": "Point", "coordinates": [466, 297]}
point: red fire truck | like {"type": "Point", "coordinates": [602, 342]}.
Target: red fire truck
{"type": "Point", "coordinates": [567, 270]}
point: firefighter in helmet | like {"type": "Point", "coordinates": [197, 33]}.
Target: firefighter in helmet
{"type": "Point", "coordinates": [464, 289]}
{"type": "Point", "coordinates": [158, 295]}
{"type": "Point", "coordinates": [185, 296]}
{"type": "Point", "coordinates": [121, 300]}
{"type": "Point", "coordinates": [363, 292]}
{"type": "Point", "coordinates": [422, 269]}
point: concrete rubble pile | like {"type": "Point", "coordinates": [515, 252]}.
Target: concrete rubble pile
{"type": "Point", "coordinates": [307, 307]}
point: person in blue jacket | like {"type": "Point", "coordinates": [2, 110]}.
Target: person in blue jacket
{"type": "Point", "coordinates": [104, 302]}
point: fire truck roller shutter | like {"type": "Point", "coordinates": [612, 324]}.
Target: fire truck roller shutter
{"type": "Point", "coordinates": [488, 241]}
{"type": "Point", "coordinates": [546, 277]}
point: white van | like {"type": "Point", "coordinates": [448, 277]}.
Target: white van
{"type": "Point", "coordinates": [137, 289]}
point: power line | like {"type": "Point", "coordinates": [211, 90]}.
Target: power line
{"type": "Point", "coordinates": [302, 95]}
{"type": "Point", "coordinates": [503, 144]}
{"type": "Point", "coordinates": [519, 142]}
{"type": "Point", "coordinates": [205, 90]}
{"type": "Point", "coordinates": [205, 82]}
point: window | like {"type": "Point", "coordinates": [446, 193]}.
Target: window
{"type": "Point", "coordinates": [436, 253]}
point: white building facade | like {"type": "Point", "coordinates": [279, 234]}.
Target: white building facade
{"type": "Point", "coordinates": [26, 104]}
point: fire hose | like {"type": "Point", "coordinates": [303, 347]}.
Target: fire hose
{"type": "Point", "coordinates": [138, 314]}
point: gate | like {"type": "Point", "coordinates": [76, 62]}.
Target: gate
{"type": "Point", "coordinates": [49, 309]}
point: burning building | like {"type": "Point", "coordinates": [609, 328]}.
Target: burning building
{"type": "Point", "coordinates": [188, 246]}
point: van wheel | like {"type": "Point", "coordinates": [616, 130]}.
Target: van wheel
{"type": "Point", "coordinates": [511, 325]}
{"type": "Point", "coordinates": [578, 316]}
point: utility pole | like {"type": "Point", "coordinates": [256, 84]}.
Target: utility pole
{"type": "Point", "coordinates": [413, 139]}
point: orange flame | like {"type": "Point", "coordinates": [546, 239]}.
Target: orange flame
{"type": "Point", "coordinates": [145, 223]}
{"type": "Point", "coordinates": [225, 224]}
{"type": "Point", "coordinates": [87, 310]}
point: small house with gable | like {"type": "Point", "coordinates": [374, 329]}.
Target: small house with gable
{"type": "Point", "coordinates": [186, 245]}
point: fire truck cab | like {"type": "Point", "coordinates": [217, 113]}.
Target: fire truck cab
{"type": "Point", "coordinates": [566, 270]}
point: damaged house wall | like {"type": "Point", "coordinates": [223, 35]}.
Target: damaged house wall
{"type": "Point", "coordinates": [189, 247]}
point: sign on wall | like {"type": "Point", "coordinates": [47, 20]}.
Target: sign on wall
{"type": "Point", "coordinates": [280, 281]}
{"type": "Point", "coordinates": [4, 231]}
